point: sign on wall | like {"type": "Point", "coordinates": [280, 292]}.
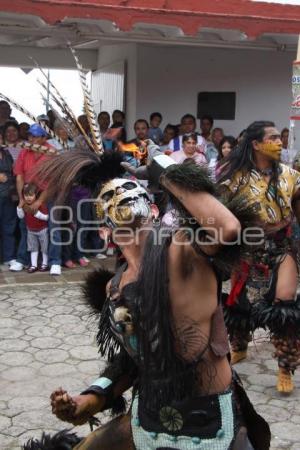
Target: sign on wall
{"type": "Point", "coordinates": [218, 105]}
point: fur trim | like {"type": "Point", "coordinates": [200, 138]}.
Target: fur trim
{"type": "Point", "coordinates": [118, 406]}
{"type": "Point", "coordinates": [237, 320]}
{"type": "Point", "coordinates": [63, 440]}
{"type": "Point", "coordinates": [280, 318]}
{"type": "Point", "coordinates": [190, 177]}
{"type": "Point", "coordinates": [94, 288]}
{"type": "Point", "coordinates": [240, 208]}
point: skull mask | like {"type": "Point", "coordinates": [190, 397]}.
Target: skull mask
{"type": "Point", "coordinates": [122, 201]}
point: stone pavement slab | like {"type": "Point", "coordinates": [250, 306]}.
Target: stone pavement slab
{"type": "Point", "coordinates": [48, 340]}
{"type": "Point", "coordinates": [68, 276]}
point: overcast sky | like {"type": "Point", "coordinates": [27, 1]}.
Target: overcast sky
{"type": "Point", "coordinates": [25, 89]}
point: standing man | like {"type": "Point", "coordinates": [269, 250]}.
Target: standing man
{"type": "Point", "coordinates": [25, 165]}
{"type": "Point", "coordinates": [141, 130]}
{"type": "Point", "coordinates": [264, 288]}
{"type": "Point", "coordinates": [206, 125]}
{"type": "Point", "coordinates": [5, 114]}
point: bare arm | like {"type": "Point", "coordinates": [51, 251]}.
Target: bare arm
{"type": "Point", "coordinates": [219, 223]}
{"type": "Point", "coordinates": [20, 185]}
{"type": "Point", "coordinates": [42, 199]}
{"type": "Point", "coordinates": [79, 409]}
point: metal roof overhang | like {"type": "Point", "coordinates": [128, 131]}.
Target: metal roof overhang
{"type": "Point", "coordinates": [45, 27]}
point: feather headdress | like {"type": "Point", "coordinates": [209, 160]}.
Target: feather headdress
{"type": "Point", "coordinates": [36, 148]}
{"type": "Point", "coordinates": [84, 168]}
{"type": "Point", "coordinates": [34, 119]}
{"type": "Point", "coordinates": [69, 128]}
{"type": "Point", "coordinates": [88, 106]}
{"type": "Point", "coordinates": [63, 106]}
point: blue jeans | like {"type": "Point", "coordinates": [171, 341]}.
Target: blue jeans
{"type": "Point", "coordinates": [8, 222]}
{"type": "Point", "coordinates": [22, 253]}
{"type": "Point", "coordinates": [54, 252]}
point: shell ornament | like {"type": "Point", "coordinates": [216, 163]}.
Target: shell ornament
{"type": "Point", "coordinates": [171, 419]}
{"type": "Point", "coordinates": [123, 319]}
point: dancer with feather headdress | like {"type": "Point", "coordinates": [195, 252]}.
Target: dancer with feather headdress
{"type": "Point", "coordinates": [160, 318]}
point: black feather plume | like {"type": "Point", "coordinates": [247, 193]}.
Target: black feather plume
{"type": "Point", "coordinates": [94, 288]}
{"type": "Point", "coordinates": [63, 440]}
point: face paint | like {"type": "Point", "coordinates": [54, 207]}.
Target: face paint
{"type": "Point", "coordinates": [270, 149]}
{"type": "Point", "coordinates": [122, 201]}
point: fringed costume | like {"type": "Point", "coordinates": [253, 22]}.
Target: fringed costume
{"type": "Point", "coordinates": [252, 302]}
{"type": "Point", "coordinates": [172, 366]}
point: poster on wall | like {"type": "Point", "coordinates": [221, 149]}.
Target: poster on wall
{"type": "Point", "coordinates": [295, 114]}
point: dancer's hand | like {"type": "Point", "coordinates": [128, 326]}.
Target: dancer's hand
{"type": "Point", "coordinates": [77, 409]}
{"type": "Point", "coordinates": [62, 405]}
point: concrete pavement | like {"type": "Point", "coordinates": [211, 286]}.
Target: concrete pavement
{"type": "Point", "coordinates": [47, 341]}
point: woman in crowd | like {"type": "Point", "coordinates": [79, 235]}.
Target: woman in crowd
{"type": "Point", "coordinates": [189, 150]}
{"type": "Point", "coordinates": [227, 144]}
{"type": "Point", "coordinates": [11, 138]}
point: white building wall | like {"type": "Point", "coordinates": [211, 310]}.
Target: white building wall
{"type": "Point", "coordinates": [169, 80]}
{"type": "Point", "coordinates": [108, 87]}
{"type": "Point", "coordinates": [110, 54]}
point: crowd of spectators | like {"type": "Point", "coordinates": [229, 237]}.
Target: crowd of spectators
{"type": "Point", "coordinates": [26, 214]}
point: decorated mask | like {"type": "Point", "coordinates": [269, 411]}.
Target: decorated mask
{"type": "Point", "coordinates": [121, 201]}
{"type": "Point", "coordinates": [270, 149]}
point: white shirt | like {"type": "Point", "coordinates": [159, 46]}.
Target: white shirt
{"type": "Point", "coordinates": [180, 156]}
{"type": "Point", "coordinates": [200, 141]}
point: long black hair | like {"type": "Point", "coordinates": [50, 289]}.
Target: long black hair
{"type": "Point", "coordinates": [232, 142]}
{"type": "Point", "coordinates": [164, 376]}
{"type": "Point", "coordinates": [164, 373]}
{"type": "Point", "coordinates": [241, 158]}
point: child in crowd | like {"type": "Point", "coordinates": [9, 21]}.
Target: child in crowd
{"type": "Point", "coordinates": [37, 228]}
{"type": "Point", "coordinates": [155, 132]}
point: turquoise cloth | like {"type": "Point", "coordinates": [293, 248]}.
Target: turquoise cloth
{"type": "Point", "coordinates": [144, 440]}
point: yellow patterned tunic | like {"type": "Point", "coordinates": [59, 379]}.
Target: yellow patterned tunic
{"type": "Point", "coordinates": [256, 188]}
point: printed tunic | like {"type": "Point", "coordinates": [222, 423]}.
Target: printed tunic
{"type": "Point", "coordinates": [257, 189]}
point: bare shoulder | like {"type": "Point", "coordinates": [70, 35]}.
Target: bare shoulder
{"type": "Point", "coordinates": [182, 258]}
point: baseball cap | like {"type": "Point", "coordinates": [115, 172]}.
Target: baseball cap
{"type": "Point", "coordinates": [43, 117]}
{"type": "Point", "coordinates": [37, 131]}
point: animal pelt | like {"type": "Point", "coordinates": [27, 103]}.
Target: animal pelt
{"type": "Point", "coordinates": [63, 440]}
{"type": "Point", "coordinates": [190, 177]}
{"type": "Point", "coordinates": [94, 288]}
{"type": "Point", "coordinates": [238, 320]}
{"type": "Point", "coordinates": [94, 292]}
{"type": "Point", "coordinates": [281, 318]}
